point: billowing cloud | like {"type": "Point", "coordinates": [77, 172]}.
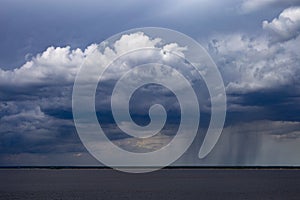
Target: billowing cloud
{"type": "Point", "coordinates": [286, 26]}
{"type": "Point", "coordinates": [55, 65]}
{"type": "Point", "coordinates": [260, 75]}
{"type": "Point", "coordinates": [251, 64]}
{"type": "Point", "coordinates": [59, 66]}
{"type": "Point", "coordinates": [35, 101]}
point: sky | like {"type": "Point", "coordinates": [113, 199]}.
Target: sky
{"type": "Point", "coordinates": [254, 43]}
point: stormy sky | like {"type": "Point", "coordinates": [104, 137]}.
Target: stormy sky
{"type": "Point", "coordinates": [254, 43]}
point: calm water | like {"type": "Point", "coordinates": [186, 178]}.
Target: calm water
{"type": "Point", "coordinates": [165, 184]}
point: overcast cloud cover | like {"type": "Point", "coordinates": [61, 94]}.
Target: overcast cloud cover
{"type": "Point", "coordinates": [255, 45]}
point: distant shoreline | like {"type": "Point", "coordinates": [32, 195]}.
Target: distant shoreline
{"type": "Point", "coordinates": [169, 167]}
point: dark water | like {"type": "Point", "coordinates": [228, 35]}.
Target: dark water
{"type": "Point", "coordinates": [165, 184]}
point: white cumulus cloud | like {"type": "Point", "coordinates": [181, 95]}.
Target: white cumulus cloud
{"type": "Point", "coordinates": [59, 65]}
{"type": "Point", "coordinates": [53, 65]}
{"type": "Point", "coordinates": [251, 64]}
{"type": "Point", "coordinates": [286, 26]}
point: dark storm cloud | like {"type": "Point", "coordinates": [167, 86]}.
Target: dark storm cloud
{"type": "Point", "coordinates": [279, 105]}
{"type": "Point", "coordinates": [32, 131]}
{"type": "Point", "coordinates": [36, 115]}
